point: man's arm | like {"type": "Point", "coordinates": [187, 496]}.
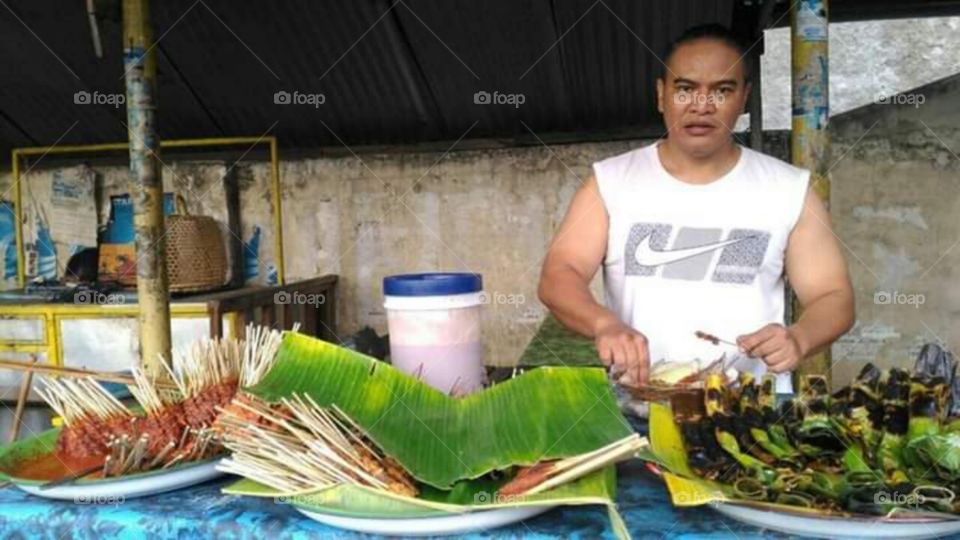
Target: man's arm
{"type": "Point", "coordinates": [818, 275]}
{"type": "Point", "coordinates": [571, 262]}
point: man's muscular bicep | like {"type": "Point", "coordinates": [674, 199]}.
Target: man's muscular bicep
{"type": "Point", "coordinates": [814, 258]}
{"type": "Point", "coordinates": [581, 241]}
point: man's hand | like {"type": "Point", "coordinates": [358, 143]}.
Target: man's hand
{"type": "Point", "coordinates": [776, 345]}
{"type": "Point", "coordinates": [624, 350]}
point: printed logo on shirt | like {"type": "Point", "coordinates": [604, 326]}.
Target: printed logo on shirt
{"type": "Point", "coordinates": [691, 253]}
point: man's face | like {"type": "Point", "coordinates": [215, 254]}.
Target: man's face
{"type": "Point", "coordinates": [701, 96]}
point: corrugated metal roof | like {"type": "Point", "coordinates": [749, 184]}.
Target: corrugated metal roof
{"type": "Point", "coordinates": [390, 71]}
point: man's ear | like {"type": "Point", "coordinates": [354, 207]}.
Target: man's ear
{"type": "Point", "coordinates": [747, 90]}
{"type": "Point", "coordinates": [660, 89]}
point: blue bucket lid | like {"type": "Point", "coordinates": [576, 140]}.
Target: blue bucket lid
{"type": "Point", "coordinates": [432, 284]}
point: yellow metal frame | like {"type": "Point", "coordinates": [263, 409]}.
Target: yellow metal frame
{"type": "Point", "coordinates": [19, 153]}
{"type": "Point", "coordinates": [51, 315]}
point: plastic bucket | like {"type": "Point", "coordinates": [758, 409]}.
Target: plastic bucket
{"type": "Point", "coordinates": [434, 325]}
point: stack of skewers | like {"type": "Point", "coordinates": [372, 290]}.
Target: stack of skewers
{"type": "Point", "coordinates": [102, 435]}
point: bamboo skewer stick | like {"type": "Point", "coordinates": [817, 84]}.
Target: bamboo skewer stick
{"type": "Point", "coordinates": [74, 372]}
{"type": "Point", "coordinates": [301, 447]}
{"type": "Point", "coordinates": [69, 479]}
{"type": "Point", "coordinates": [85, 405]}
{"type": "Point", "coordinates": [578, 466]}
{"type": "Point", "coordinates": [21, 402]}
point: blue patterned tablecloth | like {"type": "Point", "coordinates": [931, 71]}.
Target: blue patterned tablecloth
{"type": "Point", "coordinates": [204, 512]}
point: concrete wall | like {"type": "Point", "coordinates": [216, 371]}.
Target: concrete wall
{"type": "Point", "coordinates": [896, 198]}
{"type": "Point", "coordinates": [487, 211]}
{"type": "Point", "coordinates": [868, 60]}
{"type": "Point", "coordinates": [367, 216]}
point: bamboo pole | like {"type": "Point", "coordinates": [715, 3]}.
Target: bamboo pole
{"type": "Point", "coordinates": [146, 185]}
{"type": "Point", "coordinates": [277, 197]}
{"type": "Point", "coordinates": [108, 376]}
{"type": "Point", "coordinates": [22, 402]}
{"type": "Point", "coordinates": [810, 138]}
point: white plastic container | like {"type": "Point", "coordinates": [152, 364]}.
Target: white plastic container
{"type": "Point", "coordinates": [434, 323]}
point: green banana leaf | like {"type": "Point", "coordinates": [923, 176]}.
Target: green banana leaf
{"type": "Point", "coordinates": [363, 502]}
{"type": "Point", "coordinates": [546, 413]}
{"type": "Point", "coordinates": [468, 496]}
{"type": "Point", "coordinates": [25, 449]}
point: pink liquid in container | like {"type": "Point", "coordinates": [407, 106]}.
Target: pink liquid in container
{"type": "Point", "coordinates": [434, 324]}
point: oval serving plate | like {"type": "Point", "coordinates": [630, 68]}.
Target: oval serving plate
{"type": "Point", "coordinates": [429, 526]}
{"type": "Point", "coordinates": [826, 526]}
{"type": "Point", "coordinates": [93, 490]}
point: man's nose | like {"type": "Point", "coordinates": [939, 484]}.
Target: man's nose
{"type": "Point", "coordinates": [703, 103]}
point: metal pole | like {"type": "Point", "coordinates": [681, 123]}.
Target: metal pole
{"type": "Point", "coordinates": [146, 184]}
{"type": "Point", "coordinates": [755, 105]}
{"type": "Point", "coordinates": [18, 215]}
{"type": "Point", "coordinates": [810, 138]}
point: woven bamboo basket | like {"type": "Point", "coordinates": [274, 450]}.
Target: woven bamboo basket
{"type": "Point", "coordinates": [196, 255]}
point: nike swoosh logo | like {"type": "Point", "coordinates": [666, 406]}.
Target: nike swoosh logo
{"type": "Point", "coordinates": [647, 256]}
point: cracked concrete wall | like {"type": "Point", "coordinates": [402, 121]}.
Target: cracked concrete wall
{"type": "Point", "coordinates": [895, 202]}
{"type": "Point", "coordinates": [868, 60]}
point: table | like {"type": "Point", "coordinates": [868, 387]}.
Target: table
{"type": "Point", "coordinates": [204, 512]}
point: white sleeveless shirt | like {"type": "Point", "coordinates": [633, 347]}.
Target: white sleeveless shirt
{"type": "Point", "coordinates": [683, 257]}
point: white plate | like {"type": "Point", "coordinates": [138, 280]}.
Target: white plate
{"type": "Point", "coordinates": [839, 527]}
{"type": "Point", "coordinates": [138, 485]}
{"type": "Point", "coordinates": [430, 526]}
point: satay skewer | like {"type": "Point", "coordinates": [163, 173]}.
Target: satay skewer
{"type": "Point", "coordinates": [714, 339]}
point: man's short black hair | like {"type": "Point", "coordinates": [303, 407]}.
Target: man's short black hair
{"type": "Point", "coordinates": [715, 32]}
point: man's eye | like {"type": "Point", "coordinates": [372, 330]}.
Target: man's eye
{"type": "Point", "coordinates": [683, 89]}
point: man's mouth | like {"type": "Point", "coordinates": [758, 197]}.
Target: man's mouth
{"type": "Point", "coordinates": [699, 129]}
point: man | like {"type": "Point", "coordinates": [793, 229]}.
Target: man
{"type": "Point", "coordinates": [695, 233]}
